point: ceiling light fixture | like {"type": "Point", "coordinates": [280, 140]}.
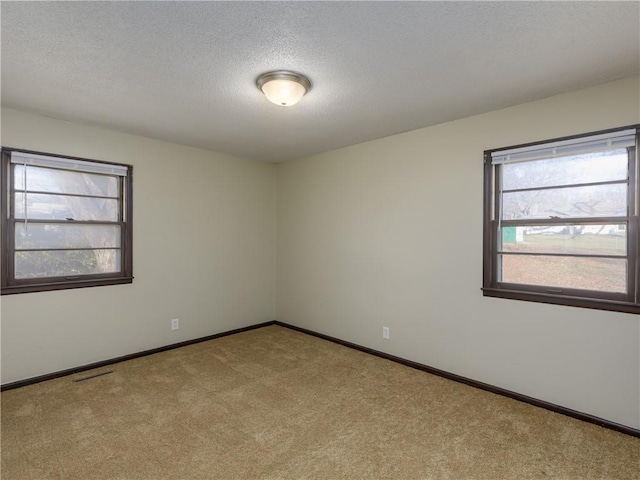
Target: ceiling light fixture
{"type": "Point", "coordinates": [283, 87]}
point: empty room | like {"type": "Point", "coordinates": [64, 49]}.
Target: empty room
{"type": "Point", "coordinates": [320, 240]}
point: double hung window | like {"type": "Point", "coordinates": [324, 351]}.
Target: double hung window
{"type": "Point", "coordinates": [66, 222]}
{"type": "Point", "coordinates": [561, 221]}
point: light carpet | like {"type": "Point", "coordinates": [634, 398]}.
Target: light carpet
{"type": "Point", "coordinates": [273, 403]}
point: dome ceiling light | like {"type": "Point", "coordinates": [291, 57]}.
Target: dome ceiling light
{"type": "Point", "coordinates": [283, 87]}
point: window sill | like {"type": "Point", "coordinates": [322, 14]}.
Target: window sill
{"type": "Point", "coordinates": [597, 304]}
{"type": "Point", "coordinates": [66, 285]}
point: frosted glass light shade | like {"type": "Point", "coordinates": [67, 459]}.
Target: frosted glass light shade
{"type": "Point", "coordinates": [283, 88]}
{"type": "Point", "coordinates": [283, 92]}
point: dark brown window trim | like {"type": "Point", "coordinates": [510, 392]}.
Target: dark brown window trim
{"type": "Point", "coordinates": [583, 302]}
{"type": "Point", "coordinates": [574, 298]}
{"type": "Point", "coordinates": [10, 286]}
{"type": "Point", "coordinates": [47, 287]}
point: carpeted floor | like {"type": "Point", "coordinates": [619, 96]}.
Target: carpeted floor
{"type": "Point", "coordinates": [273, 403]}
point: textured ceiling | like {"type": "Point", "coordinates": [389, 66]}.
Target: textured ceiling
{"type": "Point", "coordinates": [185, 71]}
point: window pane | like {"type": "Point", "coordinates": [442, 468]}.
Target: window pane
{"type": "Point", "coordinates": [63, 181]}
{"type": "Point", "coordinates": [589, 168]}
{"type": "Point", "coordinates": [573, 239]}
{"type": "Point", "coordinates": [54, 263]}
{"type": "Point", "coordinates": [38, 235]}
{"type": "Point", "coordinates": [601, 274]}
{"type": "Point", "coordinates": [61, 207]}
{"type": "Point", "coordinates": [594, 201]}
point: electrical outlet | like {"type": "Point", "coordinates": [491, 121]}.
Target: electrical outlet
{"type": "Point", "coordinates": [385, 333]}
{"type": "Point", "coordinates": [175, 324]}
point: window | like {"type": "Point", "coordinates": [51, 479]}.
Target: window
{"type": "Point", "coordinates": [561, 221]}
{"type": "Point", "coordinates": [66, 222]}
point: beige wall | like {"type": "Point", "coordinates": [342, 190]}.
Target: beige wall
{"type": "Point", "coordinates": [384, 233]}
{"type": "Point", "coordinates": [389, 233]}
{"type": "Point", "coordinates": [204, 243]}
